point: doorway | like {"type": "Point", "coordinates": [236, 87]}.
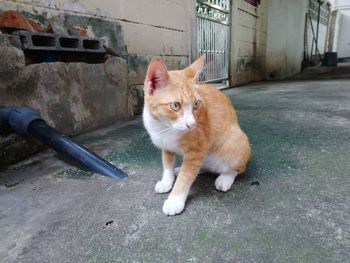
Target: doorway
{"type": "Point", "coordinates": [213, 40]}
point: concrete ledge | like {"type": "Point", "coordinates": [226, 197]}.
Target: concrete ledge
{"type": "Point", "coordinates": [72, 97]}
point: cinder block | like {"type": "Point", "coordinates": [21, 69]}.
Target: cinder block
{"type": "Point", "coordinates": [54, 42]}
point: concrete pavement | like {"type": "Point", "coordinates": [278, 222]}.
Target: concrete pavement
{"type": "Point", "coordinates": [292, 205]}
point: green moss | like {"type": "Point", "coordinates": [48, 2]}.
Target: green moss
{"type": "Point", "coordinates": [137, 151]}
{"type": "Point", "coordinates": [101, 28]}
{"type": "Point", "coordinates": [41, 18]}
{"type": "Point", "coordinates": [74, 174]}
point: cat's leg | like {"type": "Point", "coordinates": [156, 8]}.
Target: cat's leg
{"type": "Point", "coordinates": [224, 181]}
{"type": "Point", "coordinates": [177, 170]}
{"type": "Point", "coordinates": [165, 185]}
{"type": "Point", "coordinates": [201, 170]}
{"type": "Point", "coordinates": [175, 203]}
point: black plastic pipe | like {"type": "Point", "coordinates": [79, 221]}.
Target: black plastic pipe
{"type": "Point", "coordinates": [26, 121]}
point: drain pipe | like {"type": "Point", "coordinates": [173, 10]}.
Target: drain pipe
{"type": "Point", "coordinates": [26, 121]}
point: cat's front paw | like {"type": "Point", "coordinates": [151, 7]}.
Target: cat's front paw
{"type": "Point", "coordinates": [173, 206]}
{"type": "Point", "coordinates": [224, 182]}
{"type": "Point", "coordinates": [163, 187]}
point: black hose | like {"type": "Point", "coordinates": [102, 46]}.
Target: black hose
{"type": "Point", "coordinates": [64, 145]}
{"type": "Point", "coordinates": [24, 120]}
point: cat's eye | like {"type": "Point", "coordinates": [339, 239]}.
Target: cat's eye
{"type": "Point", "coordinates": [197, 104]}
{"type": "Point", "coordinates": [175, 106]}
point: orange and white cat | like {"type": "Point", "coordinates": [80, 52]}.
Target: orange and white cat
{"type": "Point", "coordinates": [196, 121]}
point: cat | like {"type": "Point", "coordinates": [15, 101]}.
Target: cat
{"type": "Point", "coordinates": [197, 121]}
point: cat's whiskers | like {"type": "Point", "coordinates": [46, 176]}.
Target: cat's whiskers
{"type": "Point", "coordinates": [164, 131]}
{"type": "Point", "coordinates": [162, 128]}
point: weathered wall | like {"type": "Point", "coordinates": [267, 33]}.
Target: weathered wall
{"type": "Point", "coordinates": [285, 38]}
{"type": "Point", "coordinates": [155, 28]}
{"type": "Point", "coordinates": [151, 28]}
{"type": "Point", "coordinates": [343, 37]}
{"type": "Point", "coordinates": [332, 42]}
{"type": "Point", "coordinates": [248, 42]}
{"type": "Point", "coordinates": [72, 97]}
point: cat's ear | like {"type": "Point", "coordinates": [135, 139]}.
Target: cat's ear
{"type": "Point", "coordinates": [195, 68]}
{"type": "Point", "coordinates": [157, 76]}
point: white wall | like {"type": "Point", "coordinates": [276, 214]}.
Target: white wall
{"type": "Point", "coordinates": [151, 27]}
{"type": "Point", "coordinates": [336, 32]}
{"type": "Point", "coordinates": [339, 35]}
{"type": "Point", "coordinates": [333, 33]}
{"type": "Point", "coordinates": [339, 3]}
{"type": "Point", "coordinates": [343, 38]}
{"type": "Point", "coordinates": [285, 37]}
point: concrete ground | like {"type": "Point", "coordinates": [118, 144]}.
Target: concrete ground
{"type": "Point", "coordinates": [292, 205]}
{"type": "Point", "coordinates": [341, 71]}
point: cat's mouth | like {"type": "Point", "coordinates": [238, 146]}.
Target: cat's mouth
{"type": "Point", "coordinates": [183, 129]}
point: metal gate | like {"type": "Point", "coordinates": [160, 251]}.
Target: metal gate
{"type": "Point", "coordinates": [213, 38]}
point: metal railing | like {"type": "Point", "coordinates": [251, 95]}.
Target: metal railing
{"type": "Point", "coordinates": [213, 25]}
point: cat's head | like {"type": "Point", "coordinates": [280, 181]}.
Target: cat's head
{"type": "Point", "coordinates": [172, 96]}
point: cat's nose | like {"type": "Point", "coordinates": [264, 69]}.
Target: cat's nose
{"type": "Point", "coordinates": [190, 125]}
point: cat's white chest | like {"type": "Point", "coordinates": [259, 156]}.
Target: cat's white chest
{"type": "Point", "coordinates": [166, 141]}
{"type": "Point", "coordinates": [162, 136]}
